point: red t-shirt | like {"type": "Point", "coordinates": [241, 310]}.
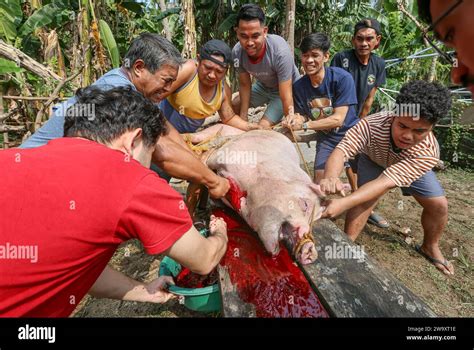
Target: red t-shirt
{"type": "Point", "coordinates": [75, 201]}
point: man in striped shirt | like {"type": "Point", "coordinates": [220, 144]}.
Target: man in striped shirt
{"type": "Point", "coordinates": [397, 149]}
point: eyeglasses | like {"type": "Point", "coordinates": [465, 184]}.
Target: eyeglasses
{"type": "Point", "coordinates": [448, 57]}
{"type": "Point", "coordinates": [317, 111]}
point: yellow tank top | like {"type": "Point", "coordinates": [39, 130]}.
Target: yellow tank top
{"type": "Point", "coordinates": [188, 101]}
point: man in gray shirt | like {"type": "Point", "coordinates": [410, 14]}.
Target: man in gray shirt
{"type": "Point", "coordinates": [267, 58]}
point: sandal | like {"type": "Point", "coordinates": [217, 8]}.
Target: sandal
{"type": "Point", "coordinates": [377, 220]}
{"type": "Point", "coordinates": [446, 264]}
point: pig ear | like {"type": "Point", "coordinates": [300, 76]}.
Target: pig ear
{"type": "Point", "coordinates": [317, 214]}
{"type": "Point", "coordinates": [317, 189]}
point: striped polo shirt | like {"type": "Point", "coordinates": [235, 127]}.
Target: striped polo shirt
{"type": "Point", "coordinates": [372, 136]}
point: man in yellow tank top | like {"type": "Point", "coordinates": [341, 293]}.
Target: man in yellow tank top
{"type": "Point", "coordinates": [200, 91]}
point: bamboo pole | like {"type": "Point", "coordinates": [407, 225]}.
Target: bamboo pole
{"type": "Point", "coordinates": [2, 110]}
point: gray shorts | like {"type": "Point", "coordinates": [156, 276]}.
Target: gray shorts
{"type": "Point", "coordinates": [260, 95]}
{"type": "Point", "coordinates": [426, 186]}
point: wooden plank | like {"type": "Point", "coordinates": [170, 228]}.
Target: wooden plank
{"type": "Point", "coordinates": [357, 286]}
{"type": "Point", "coordinates": [232, 305]}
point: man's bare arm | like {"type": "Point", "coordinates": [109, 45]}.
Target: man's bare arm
{"type": "Point", "coordinates": [286, 94]}
{"type": "Point", "coordinates": [245, 87]}
{"type": "Point", "coordinates": [113, 284]}
{"type": "Point", "coordinates": [334, 121]}
{"type": "Point", "coordinates": [368, 103]}
{"type": "Point", "coordinates": [182, 164]}
{"type": "Point", "coordinates": [201, 255]}
{"type": "Point", "coordinates": [371, 190]}
{"type": "Point", "coordinates": [228, 116]}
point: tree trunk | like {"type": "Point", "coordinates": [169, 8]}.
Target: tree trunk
{"type": "Point", "coordinates": [432, 75]}
{"type": "Point", "coordinates": [289, 31]}
{"type": "Point", "coordinates": [85, 44]}
{"type": "Point", "coordinates": [166, 25]}
{"type": "Point", "coordinates": [189, 48]}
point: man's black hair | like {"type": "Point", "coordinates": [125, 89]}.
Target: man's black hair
{"type": "Point", "coordinates": [424, 11]}
{"type": "Point", "coordinates": [433, 98]}
{"type": "Point", "coordinates": [154, 50]}
{"type": "Point", "coordinates": [318, 41]}
{"type": "Point", "coordinates": [250, 12]}
{"type": "Point", "coordinates": [103, 116]}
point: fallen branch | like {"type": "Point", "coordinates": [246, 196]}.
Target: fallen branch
{"type": "Point", "coordinates": [25, 61]}
{"type": "Point", "coordinates": [6, 128]}
{"type": "Point", "coordinates": [8, 115]}
{"type": "Point", "coordinates": [33, 98]}
{"type": "Point", "coordinates": [53, 97]}
{"type": "Point", "coordinates": [402, 7]}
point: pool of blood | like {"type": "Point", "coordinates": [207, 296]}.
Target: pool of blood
{"type": "Point", "coordinates": [275, 285]}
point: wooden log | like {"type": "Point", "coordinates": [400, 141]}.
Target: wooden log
{"type": "Point", "coordinates": [351, 287]}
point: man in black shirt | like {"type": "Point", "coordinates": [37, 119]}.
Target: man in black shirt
{"type": "Point", "coordinates": [368, 71]}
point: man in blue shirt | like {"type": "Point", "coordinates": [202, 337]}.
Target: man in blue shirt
{"type": "Point", "coordinates": [324, 98]}
{"type": "Point", "coordinates": [150, 66]}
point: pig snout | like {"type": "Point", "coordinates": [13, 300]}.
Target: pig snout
{"type": "Point", "coordinates": [303, 247]}
{"type": "Point", "coordinates": [307, 254]}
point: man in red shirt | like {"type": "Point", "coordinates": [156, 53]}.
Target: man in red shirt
{"type": "Point", "coordinates": [74, 200]}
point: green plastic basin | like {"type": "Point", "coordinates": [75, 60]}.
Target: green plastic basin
{"type": "Point", "coordinates": [207, 299]}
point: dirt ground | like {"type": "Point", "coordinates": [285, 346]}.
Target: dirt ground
{"type": "Point", "coordinates": [447, 296]}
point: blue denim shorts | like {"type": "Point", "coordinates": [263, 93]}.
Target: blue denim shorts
{"type": "Point", "coordinates": [426, 186]}
{"type": "Point", "coordinates": [324, 148]}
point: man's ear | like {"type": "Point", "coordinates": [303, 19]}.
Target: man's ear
{"type": "Point", "coordinates": [326, 57]}
{"type": "Point", "coordinates": [138, 67]}
{"type": "Point", "coordinates": [265, 30]}
{"type": "Point", "coordinates": [378, 38]}
{"type": "Point", "coordinates": [132, 139]}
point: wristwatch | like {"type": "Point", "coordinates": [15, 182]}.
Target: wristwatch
{"type": "Point", "coordinates": [305, 126]}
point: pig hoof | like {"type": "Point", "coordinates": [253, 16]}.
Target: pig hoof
{"type": "Point", "coordinates": [308, 254]}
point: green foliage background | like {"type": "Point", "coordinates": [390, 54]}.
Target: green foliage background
{"type": "Point", "coordinates": [122, 20]}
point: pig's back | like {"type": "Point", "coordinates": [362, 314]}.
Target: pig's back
{"type": "Point", "coordinates": [257, 155]}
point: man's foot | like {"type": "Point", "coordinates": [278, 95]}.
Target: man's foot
{"type": "Point", "coordinates": [377, 220]}
{"type": "Point", "coordinates": [437, 259]}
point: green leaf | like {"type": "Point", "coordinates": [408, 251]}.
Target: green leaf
{"type": "Point", "coordinates": [168, 12]}
{"type": "Point", "coordinates": [7, 67]}
{"type": "Point", "coordinates": [10, 18]}
{"type": "Point", "coordinates": [132, 6]}
{"type": "Point", "coordinates": [228, 23]}
{"type": "Point", "coordinates": [7, 28]}
{"type": "Point", "coordinates": [43, 16]}
{"type": "Point", "coordinates": [12, 10]}
{"type": "Point", "coordinates": [108, 40]}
